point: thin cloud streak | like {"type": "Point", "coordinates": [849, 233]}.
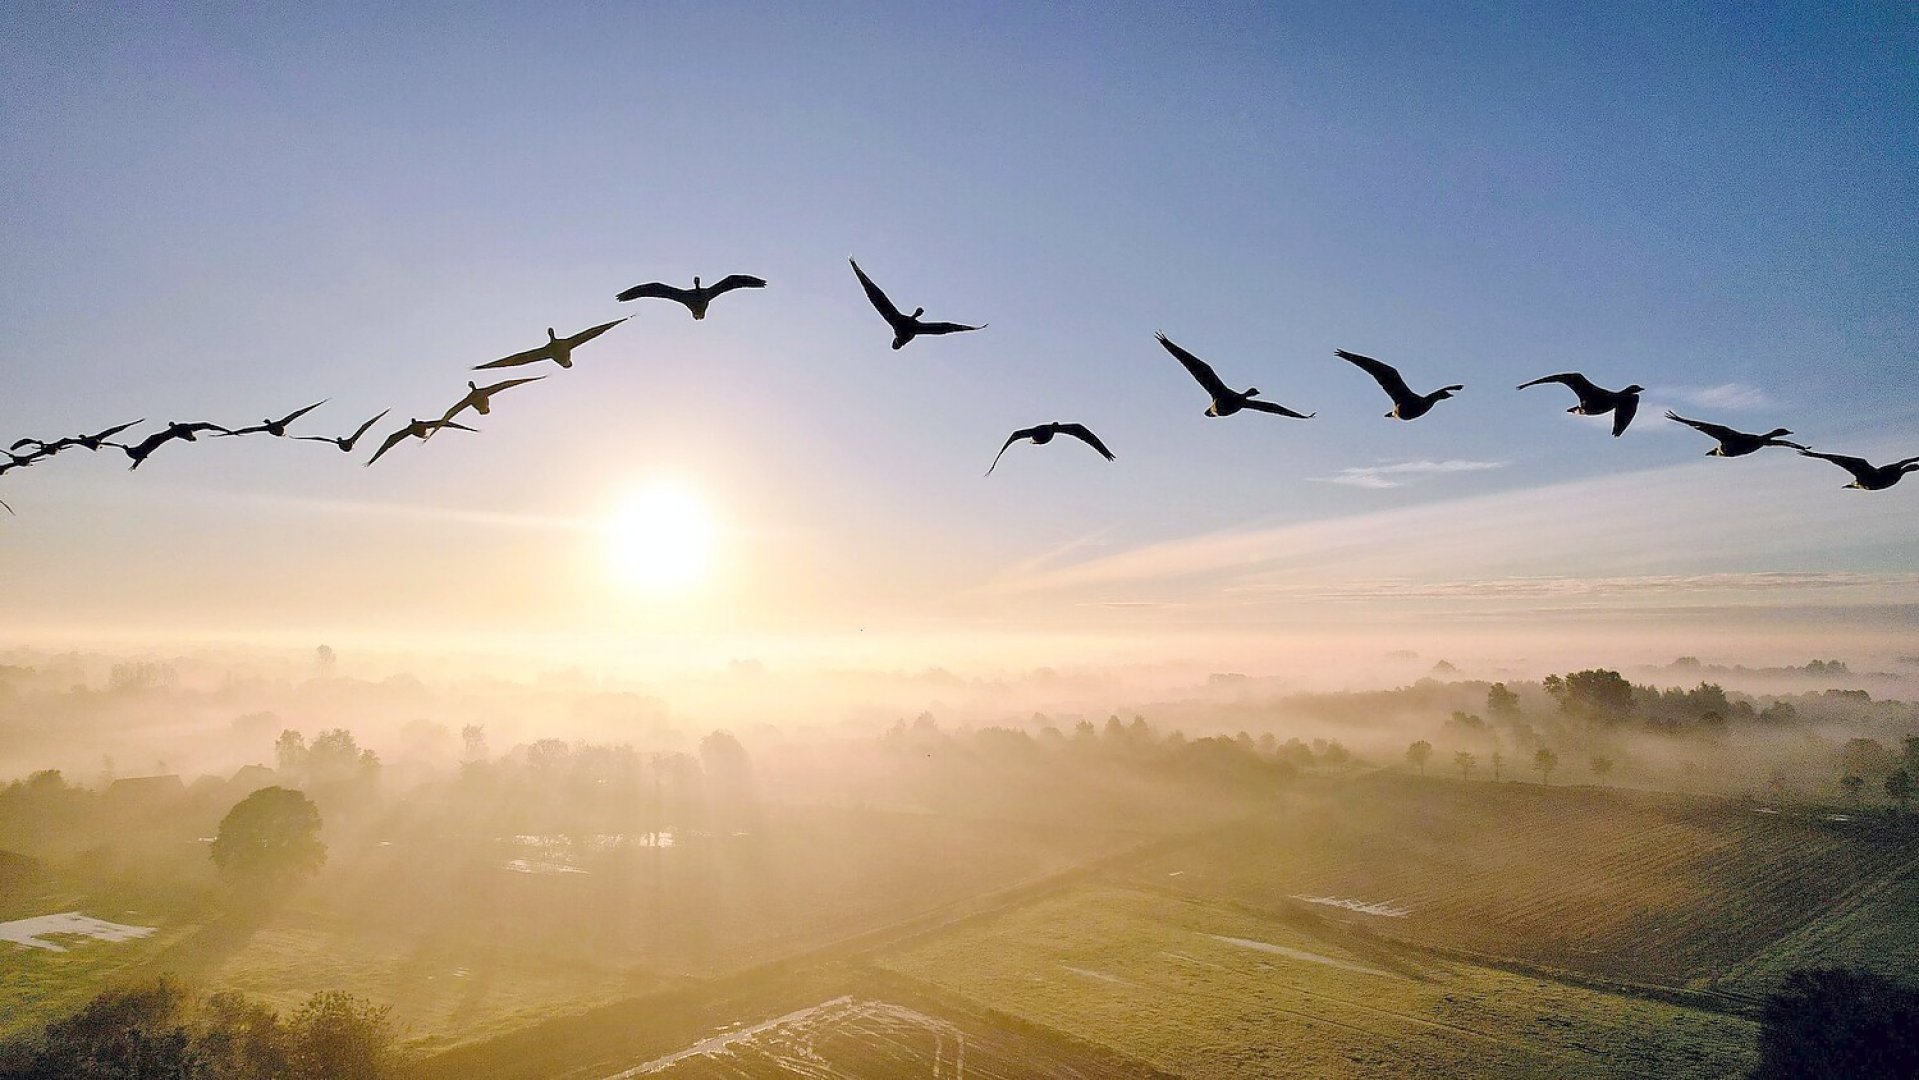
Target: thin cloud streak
{"type": "Point", "coordinates": [1732, 395]}
{"type": "Point", "coordinates": [1379, 476]}
{"type": "Point", "coordinates": [1669, 525]}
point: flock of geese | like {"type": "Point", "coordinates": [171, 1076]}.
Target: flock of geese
{"type": "Point", "coordinates": [1593, 400]}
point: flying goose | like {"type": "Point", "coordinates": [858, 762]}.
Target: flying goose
{"type": "Point", "coordinates": [277, 428]}
{"type": "Point", "coordinates": [698, 296]}
{"type": "Point", "coordinates": [480, 398]}
{"type": "Point", "coordinates": [1596, 400]}
{"type": "Point", "coordinates": [1734, 443]}
{"type": "Point", "coordinates": [1406, 404]}
{"type": "Point", "coordinates": [1043, 434]}
{"type": "Point", "coordinates": [144, 449]}
{"type": "Point", "coordinates": [1865, 475]}
{"type": "Point", "coordinates": [345, 442]}
{"type": "Point", "coordinates": [99, 438]}
{"type": "Point", "coordinates": [905, 327]}
{"type": "Point", "coordinates": [1226, 401]}
{"type": "Point", "coordinates": [557, 349]}
{"type": "Point", "coordinates": [414, 429]}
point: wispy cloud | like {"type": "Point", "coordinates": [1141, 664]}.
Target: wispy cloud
{"type": "Point", "coordinates": [1730, 395]}
{"type": "Point", "coordinates": [1667, 530]}
{"type": "Point", "coordinates": [1386, 476]}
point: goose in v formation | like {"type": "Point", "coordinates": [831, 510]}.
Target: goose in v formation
{"type": "Point", "coordinates": [415, 428]}
{"type": "Point", "coordinates": [905, 327]}
{"type": "Point", "coordinates": [480, 398]}
{"type": "Point", "coordinates": [277, 428]}
{"type": "Point", "coordinates": [1226, 401]}
{"type": "Point", "coordinates": [1595, 400]}
{"type": "Point", "coordinates": [557, 349]}
{"type": "Point", "coordinates": [345, 442]}
{"type": "Point", "coordinates": [1865, 475]}
{"type": "Point", "coordinates": [1043, 434]}
{"type": "Point", "coordinates": [92, 442]}
{"type": "Point", "coordinates": [1406, 404]}
{"type": "Point", "coordinates": [144, 449]}
{"type": "Point", "coordinates": [1733, 442]}
{"type": "Point", "coordinates": [695, 298]}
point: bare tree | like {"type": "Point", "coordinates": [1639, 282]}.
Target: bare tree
{"type": "Point", "coordinates": [1499, 760]}
{"type": "Point", "coordinates": [1465, 762]}
{"type": "Point", "coordinates": [1545, 761]}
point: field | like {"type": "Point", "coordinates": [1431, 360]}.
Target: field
{"type": "Point", "coordinates": [1206, 989]}
{"type": "Point", "coordinates": [1636, 887]}
{"type": "Point", "coordinates": [462, 945]}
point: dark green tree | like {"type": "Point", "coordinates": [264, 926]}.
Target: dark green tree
{"type": "Point", "coordinates": [1899, 787]}
{"type": "Point", "coordinates": [1836, 1024]}
{"type": "Point", "coordinates": [270, 837]}
{"type": "Point", "coordinates": [1501, 703]}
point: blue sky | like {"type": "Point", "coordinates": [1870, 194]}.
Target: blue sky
{"type": "Point", "coordinates": [230, 213]}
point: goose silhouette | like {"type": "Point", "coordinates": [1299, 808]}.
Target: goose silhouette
{"type": "Point", "coordinates": [557, 349]}
{"type": "Point", "coordinates": [1865, 475]}
{"type": "Point", "coordinates": [1225, 400]}
{"type": "Point", "coordinates": [905, 327]}
{"type": "Point", "coordinates": [1596, 400]}
{"type": "Point", "coordinates": [1733, 442]}
{"type": "Point", "coordinates": [1406, 404]}
{"type": "Point", "coordinates": [1043, 434]}
{"type": "Point", "coordinates": [695, 298]}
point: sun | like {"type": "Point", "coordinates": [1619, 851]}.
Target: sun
{"type": "Point", "coordinates": [660, 539]}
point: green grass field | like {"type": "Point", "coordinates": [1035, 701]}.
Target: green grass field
{"type": "Point", "coordinates": [1207, 989]}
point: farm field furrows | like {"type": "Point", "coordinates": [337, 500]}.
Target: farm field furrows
{"type": "Point", "coordinates": [1204, 988]}
{"type": "Point", "coordinates": [1876, 928]}
{"type": "Point", "coordinates": [1618, 884]}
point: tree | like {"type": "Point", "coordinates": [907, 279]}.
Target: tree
{"type": "Point", "coordinates": [1854, 785]}
{"type": "Point", "coordinates": [1899, 787]}
{"type": "Point", "coordinates": [1465, 763]}
{"type": "Point", "coordinates": [1501, 702]}
{"type": "Point", "coordinates": [270, 837]}
{"type": "Point", "coordinates": [1545, 761]}
{"type": "Point", "coordinates": [1832, 1022]}
{"type": "Point", "coordinates": [325, 659]}
{"type": "Point", "coordinates": [337, 1036]}
{"type": "Point", "coordinates": [1499, 760]}
{"type": "Point", "coordinates": [1601, 694]}
{"type": "Point", "coordinates": [473, 742]}
{"type": "Point", "coordinates": [1602, 766]}
{"type": "Point", "coordinates": [1417, 753]}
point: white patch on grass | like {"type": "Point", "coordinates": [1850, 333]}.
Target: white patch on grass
{"type": "Point", "coordinates": [1300, 954]}
{"type": "Point", "coordinates": [28, 932]}
{"type": "Point", "coordinates": [1382, 908]}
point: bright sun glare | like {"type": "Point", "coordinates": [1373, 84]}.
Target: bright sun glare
{"type": "Point", "coordinates": [660, 539]}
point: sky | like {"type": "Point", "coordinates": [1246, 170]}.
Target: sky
{"type": "Point", "coordinates": [225, 213]}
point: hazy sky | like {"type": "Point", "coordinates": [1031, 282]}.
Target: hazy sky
{"type": "Point", "coordinates": [226, 213]}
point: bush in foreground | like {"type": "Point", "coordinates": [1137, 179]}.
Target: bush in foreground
{"type": "Point", "coordinates": [159, 1030]}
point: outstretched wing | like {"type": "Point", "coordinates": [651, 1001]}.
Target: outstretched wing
{"type": "Point", "coordinates": [1860, 468]}
{"type": "Point", "coordinates": [530, 356]}
{"type": "Point", "coordinates": [1623, 413]}
{"type": "Point", "coordinates": [1717, 431]}
{"type": "Point", "coordinates": [392, 441]}
{"type": "Point", "coordinates": [489, 391]}
{"type": "Point", "coordinates": [1386, 375]}
{"type": "Point", "coordinates": [1277, 409]}
{"type": "Point", "coordinates": [885, 307]}
{"type": "Point", "coordinates": [735, 281]}
{"type": "Point", "coordinates": [656, 290]}
{"type": "Point", "coordinates": [1085, 435]}
{"type": "Point", "coordinates": [1579, 384]}
{"type": "Point", "coordinates": [298, 413]}
{"type": "Point", "coordinates": [583, 336]}
{"type": "Point", "coordinates": [112, 431]}
{"type": "Point", "coordinates": [947, 327]}
{"type": "Point", "coordinates": [1023, 433]}
{"type": "Point", "coordinates": [24, 442]}
{"type": "Point", "coordinates": [361, 430]}
{"type": "Point", "coordinates": [1199, 369]}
